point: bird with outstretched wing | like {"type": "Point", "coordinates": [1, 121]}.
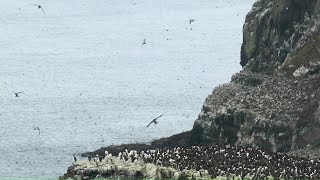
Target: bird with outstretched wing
{"type": "Point", "coordinates": [17, 93]}
{"type": "Point", "coordinates": [39, 7]}
{"type": "Point", "coordinates": [37, 128]}
{"type": "Point", "coordinates": [155, 120]}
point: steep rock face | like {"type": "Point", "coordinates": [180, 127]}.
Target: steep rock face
{"type": "Point", "coordinates": [273, 103]}
{"type": "Point", "coordinates": [280, 114]}
{"type": "Point", "coordinates": [273, 29]}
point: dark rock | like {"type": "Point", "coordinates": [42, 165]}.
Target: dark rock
{"type": "Point", "coordinates": [272, 104]}
{"type": "Point", "coordinates": [272, 30]}
{"type": "Point", "coordinates": [268, 104]}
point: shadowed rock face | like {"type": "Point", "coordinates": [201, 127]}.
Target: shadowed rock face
{"type": "Point", "coordinates": [273, 103]}
{"type": "Point", "coordinates": [272, 30]}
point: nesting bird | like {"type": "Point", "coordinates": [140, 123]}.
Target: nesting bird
{"type": "Point", "coordinates": [227, 161]}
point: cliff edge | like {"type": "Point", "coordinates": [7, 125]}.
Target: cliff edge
{"type": "Point", "coordinates": [273, 103]}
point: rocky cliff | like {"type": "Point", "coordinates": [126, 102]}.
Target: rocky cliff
{"type": "Point", "coordinates": [273, 103]}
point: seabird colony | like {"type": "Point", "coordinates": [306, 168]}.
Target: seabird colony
{"type": "Point", "coordinates": [226, 161]}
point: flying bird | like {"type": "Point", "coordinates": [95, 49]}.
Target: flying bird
{"type": "Point", "coordinates": [39, 7]}
{"type": "Point", "coordinates": [37, 128]}
{"type": "Point", "coordinates": [191, 21]}
{"type": "Point", "coordinates": [17, 93]}
{"type": "Point", "coordinates": [144, 42]}
{"type": "Point", "coordinates": [154, 120]}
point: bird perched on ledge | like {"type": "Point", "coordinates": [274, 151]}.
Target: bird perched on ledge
{"type": "Point", "coordinates": [74, 158]}
{"type": "Point", "coordinates": [155, 120]}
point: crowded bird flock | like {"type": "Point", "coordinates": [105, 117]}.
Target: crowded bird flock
{"type": "Point", "coordinates": [222, 161]}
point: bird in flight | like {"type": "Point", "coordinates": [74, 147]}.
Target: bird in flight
{"type": "Point", "coordinates": [154, 120]}
{"type": "Point", "coordinates": [37, 128]}
{"type": "Point", "coordinates": [39, 7]}
{"type": "Point", "coordinates": [191, 21]}
{"type": "Point", "coordinates": [144, 42]}
{"type": "Point", "coordinates": [17, 93]}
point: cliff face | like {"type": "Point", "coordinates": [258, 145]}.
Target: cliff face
{"type": "Point", "coordinates": [273, 103]}
{"type": "Point", "coordinates": [273, 29]}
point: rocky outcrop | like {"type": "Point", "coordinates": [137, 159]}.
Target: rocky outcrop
{"type": "Point", "coordinates": [273, 103]}
{"type": "Point", "coordinates": [273, 30]}
{"type": "Point", "coordinates": [221, 161]}
{"type": "Point", "coordinates": [117, 169]}
{"type": "Point", "coordinates": [274, 113]}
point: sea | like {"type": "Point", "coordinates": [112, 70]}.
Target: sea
{"type": "Point", "coordinates": [94, 73]}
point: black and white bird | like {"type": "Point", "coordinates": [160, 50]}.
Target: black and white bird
{"type": "Point", "coordinates": [74, 158]}
{"type": "Point", "coordinates": [17, 93]}
{"type": "Point", "coordinates": [155, 120]}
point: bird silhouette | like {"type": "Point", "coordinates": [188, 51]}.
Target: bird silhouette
{"type": "Point", "coordinates": [74, 158]}
{"type": "Point", "coordinates": [191, 21]}
{"type": "Point", "coordinates": [39, 7]}
{"type": "Point", "coordinates": [154, 120]}
{"type": "Point", "coordinates": [17, 93]}
{"type": "Point", "coordinates": [144, 42]}
{"type": "Point", "coordinates": [37, 128]}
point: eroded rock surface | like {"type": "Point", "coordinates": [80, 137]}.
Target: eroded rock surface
{"type": "Point", "coordinates": [273, 103]}
{"type": "Point", "coordinates": [274, 29]}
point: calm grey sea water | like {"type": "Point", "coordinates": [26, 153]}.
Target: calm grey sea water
{"type": "Point", "coordinates": [89, 82]}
